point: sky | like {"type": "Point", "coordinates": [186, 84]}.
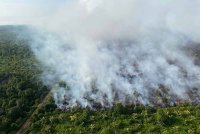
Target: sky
{"type": "Point", "coordinates": [23, 11]}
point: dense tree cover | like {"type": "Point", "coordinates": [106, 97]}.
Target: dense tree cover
{"type": "Point", "coordinates": [20, 89]}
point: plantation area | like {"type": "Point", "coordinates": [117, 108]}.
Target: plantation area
{"type": "Point", "coordinates": [21, 91]}
{"type": "Point", "coordinates": [119, 119]}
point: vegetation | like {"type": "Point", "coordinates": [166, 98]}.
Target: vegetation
{"type": "Point", "coordinates": [119, 119]}
{"type": "Point", "coordinates": [20, 90]}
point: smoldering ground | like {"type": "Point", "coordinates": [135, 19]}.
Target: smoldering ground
{"type": "Point", "coordinates": [107, 51]}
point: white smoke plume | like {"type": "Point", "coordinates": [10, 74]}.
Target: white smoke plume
{"type": "Point", "coordinates": [109, 51]}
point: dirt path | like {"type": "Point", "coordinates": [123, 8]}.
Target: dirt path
{"type": "Point", "coordinates": [30, 119]}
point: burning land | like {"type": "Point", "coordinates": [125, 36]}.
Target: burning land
{"type": "Point", "coordinates": [162, 96]}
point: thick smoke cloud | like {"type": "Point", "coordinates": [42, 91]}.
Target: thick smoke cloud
{"type": "Point", "coordinates": [109, 51]}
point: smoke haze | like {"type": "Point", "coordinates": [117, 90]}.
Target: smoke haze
{"type": "Point", "coordinates": [109, 51]}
